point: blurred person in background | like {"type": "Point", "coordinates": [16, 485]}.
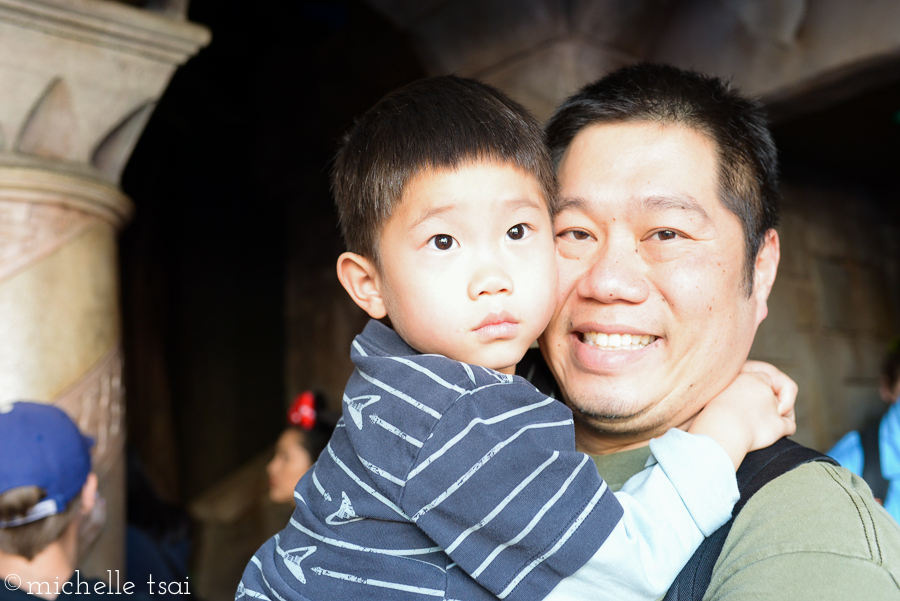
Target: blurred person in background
{"type": "Point", "coordinates": [874, 451]}
{"type": "Point", "coordinates": [50, 511]}
{"type": "Point", "coordinates": [298, 447]}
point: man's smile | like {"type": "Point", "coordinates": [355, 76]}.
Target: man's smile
{"type": "Point", "coordinates": [618, 342]}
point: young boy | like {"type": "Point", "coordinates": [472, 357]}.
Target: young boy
{"type": "Point", "coordinates": [448, 477]}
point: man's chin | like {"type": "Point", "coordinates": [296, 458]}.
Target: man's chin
{"type": "Point", "coordinates": [616, 417]}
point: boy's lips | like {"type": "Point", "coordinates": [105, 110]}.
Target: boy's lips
{"type": "Point", "coordinates": [498, 325]}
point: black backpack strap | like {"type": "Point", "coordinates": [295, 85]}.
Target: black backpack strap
{"type": "Point", "coordinates": [758, 469]}
{"type": "Point", "coordinates": [872, 460]}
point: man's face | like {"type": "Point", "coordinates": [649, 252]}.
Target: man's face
{"type": "Point", "coordinates": [651, 319]}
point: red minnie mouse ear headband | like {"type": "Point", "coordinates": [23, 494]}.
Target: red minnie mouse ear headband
{"type": "Point", "coordinates": [302, 412]}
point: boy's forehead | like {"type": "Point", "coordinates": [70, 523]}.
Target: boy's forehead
{"type": "Point", "coordinates": [436, 190]}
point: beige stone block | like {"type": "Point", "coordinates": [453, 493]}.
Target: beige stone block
{"type": "Point", "coordinates": [791, 313]}
{"type": "Point", "coordinates": [825, 229]}
{"type": "Point", "coordinates": [832, 363]}
{"type": "Point", "coordinates": [80, 78]}
{"type": "Point", "coordinates": [774, 48]}
{"type": "Point", "coordinates": [469, 36]}
{"type": "Point", "coordinates": [403, 13]}
{"type": "Point", "coordinates": [834, 294]}
{"type": "Point", "coordinates": [627, 25]}
{"type": "Point", "coordinates": [795, 256]}
{"type": "Point", "coordinates": [544, 78]}
{"type": "Point", "coordinates": [870, 352]}
{"type": "Point", "coordinates": [871, 298]}
{"type": "Point", "coordinates": [59, 317]}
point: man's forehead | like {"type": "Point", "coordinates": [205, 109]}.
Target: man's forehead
{"type": "Point", "coordinates": [645, 167]}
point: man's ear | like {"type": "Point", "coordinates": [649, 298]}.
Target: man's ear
{"type": "Point", "coordinates": [89, 494]}
{"type": "Point", "coordinates": [765, 269]}
{"type": "Point", "coordinates": [361, 280]}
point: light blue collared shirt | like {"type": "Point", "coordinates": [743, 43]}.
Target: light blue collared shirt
{"type": "Point", "coordinates": [849, 453]}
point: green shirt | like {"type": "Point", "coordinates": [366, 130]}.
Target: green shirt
{"type": "Point", "coordinates": [813, 533]}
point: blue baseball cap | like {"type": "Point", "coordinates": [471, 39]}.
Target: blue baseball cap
{"type": "Point", "coordinates": [40, 446]}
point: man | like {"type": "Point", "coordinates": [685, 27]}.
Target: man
{"type": "Point", "coordinates": [666, 254]}
{"type": "Point", "coordinates": [48, 503]}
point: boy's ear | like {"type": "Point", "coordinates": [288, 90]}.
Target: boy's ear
{"type": "Point", "coordinates": [360, 279]}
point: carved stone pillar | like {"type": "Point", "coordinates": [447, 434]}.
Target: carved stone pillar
{"type": "Point", "coordinates": [78, 81]}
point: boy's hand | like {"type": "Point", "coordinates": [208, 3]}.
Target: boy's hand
{"type": "Point", "coordinates": [783, 387]}
{"type": "Point", "coordinates": [753, 412]}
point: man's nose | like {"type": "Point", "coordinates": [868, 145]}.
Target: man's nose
{"type": "Point", "coordinates": [617, 275]}
{"type": "Point", "coordinates": [490, 278]}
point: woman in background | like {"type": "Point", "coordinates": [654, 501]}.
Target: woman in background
{"type": "Point", "coordinates": [298, 447]}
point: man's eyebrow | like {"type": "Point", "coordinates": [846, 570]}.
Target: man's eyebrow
{"type": "Point", "coordinates": [572, 203]}
{"type": "Point", "coordinates": [655, 204]}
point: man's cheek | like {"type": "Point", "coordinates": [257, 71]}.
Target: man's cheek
{"type": "Point", "coordinates": [569, 272]}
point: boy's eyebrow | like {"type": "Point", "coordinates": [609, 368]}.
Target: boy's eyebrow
{"type": "Point", "coordinates": [432, 212]}
{"type": "Point", "coordinates": [523, 203]}
{"type": "Point", "coordinates": [512, 204]}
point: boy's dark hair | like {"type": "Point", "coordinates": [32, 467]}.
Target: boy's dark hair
{"type": "Point", "coordinates": [748, 166]}
{"type": "Point", "coordinates": [30, 539]}
{"type": "Point", "coordinates": [436, 123]}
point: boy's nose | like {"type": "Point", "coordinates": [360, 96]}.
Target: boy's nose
{"type": "Point", "coordinates": [490, 279]}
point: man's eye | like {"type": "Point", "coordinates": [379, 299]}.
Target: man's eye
{"type": "Point", "coordinates": [517, 232]}
{"type": "Point", "coordinates": [664, 235]}
{"type": "Point", "coordinates": [442, 242]}
{"type": "Point", "coordinates": [578, 235]}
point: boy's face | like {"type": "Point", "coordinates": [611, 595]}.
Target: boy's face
{"type": "Point", "coordinates": [467, 264]}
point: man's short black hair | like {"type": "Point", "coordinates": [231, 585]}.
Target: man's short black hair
{"type": "Point", "coordinates": [436, 123]}
{"type": "Point", "coordinates": [748, 166]}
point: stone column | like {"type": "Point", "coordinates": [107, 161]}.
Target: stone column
{"type": "Point", "coordinates": [78, 81]}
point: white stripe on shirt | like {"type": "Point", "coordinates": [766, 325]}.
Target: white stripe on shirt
{"type": "Point", "coordinates": [427, 372]}
{"type": "Point", "coordinates": [379, 583]}
{"type": "Point", "coordinates": [565, 537]}
{"type": "Point", "coordinates": [534, 521]}
{"type": "Point", "coordinates": [400, 395]}
{"type": "Point", "coordinates": [496, 511]}
{"type": "Point", "coordinates": [481, 463]}
{"type": "Point", "coordinates": [345, 545]}
{"type": "Point", "coordinates": [395, 430]}
{"type": "Point", "coordinates": [365, 486]}
{"type": "Point", "coordinates": [478, 420]}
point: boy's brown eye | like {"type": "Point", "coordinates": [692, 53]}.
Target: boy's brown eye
{"type": "Point", "coordinates": [443, 242]}
{"type": "Point", "coordinates": [516, 232]}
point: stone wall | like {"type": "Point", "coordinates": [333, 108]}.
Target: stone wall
{"type": "Point", "coordinates": [835, 303]}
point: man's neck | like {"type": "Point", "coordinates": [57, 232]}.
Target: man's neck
{"type": "Point", "coordinates": [588, 440]}
{"type": "Point", "coordinates": [593, 442]}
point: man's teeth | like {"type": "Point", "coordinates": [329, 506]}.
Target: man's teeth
{"type": "Point", "coordinates": [618, 341]}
